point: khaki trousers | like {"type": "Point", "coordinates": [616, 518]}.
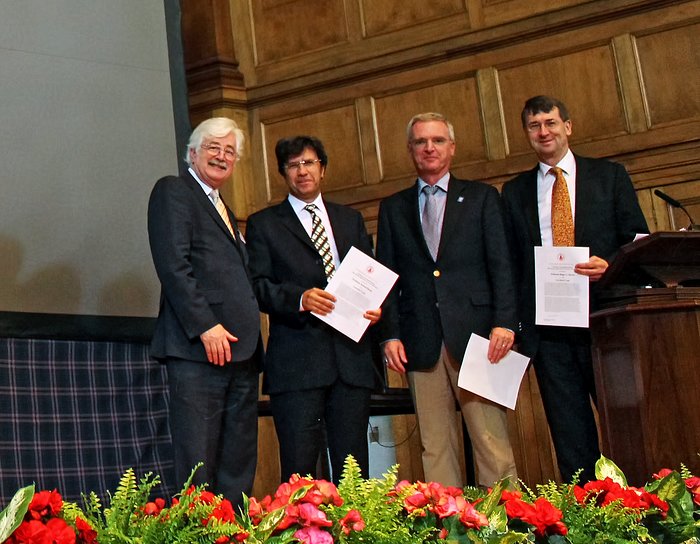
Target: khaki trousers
{"type": "Point", "coordinates": [434, 393]}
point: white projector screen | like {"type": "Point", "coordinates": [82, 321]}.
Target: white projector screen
{"type": "Point", "coordinates": [87, 126]}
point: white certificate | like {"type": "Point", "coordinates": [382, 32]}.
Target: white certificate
{"type": "Point", "coordinates": [499, 382]}
{"type": "Point", "coordinates": [561, 295]}
{"type": "Point", "coordinates": [359, 284]}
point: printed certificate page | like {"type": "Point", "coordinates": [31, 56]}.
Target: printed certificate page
{"type": "Point", "coordinates": [360, 283]}
{"type": "Point", "coordinates": [561, 295]}
{"type": "Point", "coordinates": [499, 382]}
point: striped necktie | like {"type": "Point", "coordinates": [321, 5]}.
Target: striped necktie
{"type": "Point", "coordinates": [562, 218]}
{"type": "Point", "coordinates": [320, 240]}
{"type": "Point", "coordinates": [223, 212]}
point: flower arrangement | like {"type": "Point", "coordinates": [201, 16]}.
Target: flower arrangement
{"type": "Point", "coordinates": [384, 510]}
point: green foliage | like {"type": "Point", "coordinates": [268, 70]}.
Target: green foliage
{"type": "Point", "coordinates": [11, 516]}
{"type": "Point", "coordinates": [380, 507]}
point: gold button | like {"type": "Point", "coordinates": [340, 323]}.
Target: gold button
{"type": "Point", "coordinates": [436, 273]}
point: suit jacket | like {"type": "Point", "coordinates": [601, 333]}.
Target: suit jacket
{"type": "Point", "coordinates": [468, 289]}
{"type": "Point", "coordinates": [202, 271]}
{"type": "Point", "coordinates": [302, 351]}
{"type": "Point", "coordinates": [607, 216]}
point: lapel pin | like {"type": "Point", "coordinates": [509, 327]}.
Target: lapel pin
{"type": "Point", "coordinates": [460, 199]}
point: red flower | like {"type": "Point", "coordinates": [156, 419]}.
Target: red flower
{"type": "Point", "coordinates": [224, 512]}
{"type": "Point", "coordinates": [86, 534]}
{"type": "Point", "coordinates": [32, 532]}
{"type": "Point", "coordinates": [44, 505]}
{"type": "Point", "coordinates": [352, 521]}
{"type": "Point", "coordinates": [693, 485]}
{"type": "Point", "coordinates": [153, 508]}
{"type": "Point", "coordinates": [543, 516]}
{"type": "Point", "coordinates": [61, 532]}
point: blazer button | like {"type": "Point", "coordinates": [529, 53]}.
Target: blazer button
{"type": "Point", "coordinates": [436, 273]}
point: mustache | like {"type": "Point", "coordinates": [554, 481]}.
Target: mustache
{"type": "Point", "coordinates": [217, 163]}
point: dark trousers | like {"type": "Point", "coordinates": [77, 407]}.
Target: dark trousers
{"type": "Point", "coordinates": [214, 419]}
{"type": "Point", "coordinates": [564, 372]}
{"type": "Point", "coordinates": [301, 417]}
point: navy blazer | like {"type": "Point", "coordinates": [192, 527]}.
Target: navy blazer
{"type": "Point", "coordinates": [302, 351]}
{"type": "Point", "coordinates": [468, 289]}
{"type": "Point", "coordinates": [202, 271]}
{"type": "Point", "coordinates": [607, 216]}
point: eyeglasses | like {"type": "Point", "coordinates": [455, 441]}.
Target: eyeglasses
{"type": "Point", "coordinates": [420, 143]}
{"type": "Point", "coordinates": [215, 149]}
{"type": "Point", "coordinates": [549, 124]}
{"type": "Point", "coordinates": [297, 165]}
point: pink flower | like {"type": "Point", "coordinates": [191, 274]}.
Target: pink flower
{"type": "Point", "coordinates": [310, 515]}
{"type": "Point", "coordinates": [313, 535]}
{"type": "Point", "coordinates": [471, 518]}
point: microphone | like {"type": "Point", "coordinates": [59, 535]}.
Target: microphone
{"type": "Point", "coordinates": [673, 202]}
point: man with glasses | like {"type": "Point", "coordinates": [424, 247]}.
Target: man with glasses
{"type": "Point", "coordinates": [319, 380]}
{"type": "Point", "coordinates": [599, 211]}
{"type": "Point", "coordinates": [445, 238]}
{"type": "Point", "coordinates": [208, 327]}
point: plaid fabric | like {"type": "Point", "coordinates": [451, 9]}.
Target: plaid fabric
{"type": "Point", "coordinates": [75, 415]}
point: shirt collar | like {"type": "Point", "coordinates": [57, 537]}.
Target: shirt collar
{"type": "Point", "coordinates": [443, 183]}
{"type": "Point", "coordinates": [207, 190]}
{"type": "Point", "coordinates": [298, 205]}
{"type": "Point", "coordinates": [567, 164]}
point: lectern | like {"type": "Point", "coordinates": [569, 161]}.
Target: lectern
{"type": "Point", "coordinates": [646, 355]}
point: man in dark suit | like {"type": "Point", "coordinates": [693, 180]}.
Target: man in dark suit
{"type": "Point", "coordinates": [605, 215]}
{"type": "Point", "coordinates": [208, 327]}
{"type": "Point", "coordinates": [445, 238]}
{"type": "Point", "coordinates": [318, 379]}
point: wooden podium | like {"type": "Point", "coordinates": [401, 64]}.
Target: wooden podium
{"type": "Point", "coordinates": [646, 355]}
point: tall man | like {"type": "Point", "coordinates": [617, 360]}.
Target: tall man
{"type": "Point", "coordinates": [208, 328]}
{"type": "Point", "coordinates": [602, 213]}
{"type": "Point", "coordinates": [318, 379]}
{"type": "Point", "coordinates": [445, 238]}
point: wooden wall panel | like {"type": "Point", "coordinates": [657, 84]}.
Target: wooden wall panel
{"type": "Point", "coordinates": [289, 28]}
{"type": "Point", "coordinates": [387, 15]}
{"type": "Point", "coordinates": [457, 100]}
{"type": "Point", "coordinates": [670, 67]}
{"type": "Point", "coordinates": [497, 12]}
{"type": "Point", "coordinates": [337, 129]}
{"type": "Point", "coordinates": [585, 81]}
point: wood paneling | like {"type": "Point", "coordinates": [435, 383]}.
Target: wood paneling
{"type": "Point", "coordinates": [286, 28]}
{"type": "Point", "coordinates": [670, 69]}
{"type": "Point", "coordinates": [388, 15]}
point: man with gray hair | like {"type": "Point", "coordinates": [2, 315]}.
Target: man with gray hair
{"type": "Point", "coordinates": [208, 327]}
{"type": "Point", "coordinates": [445, 237]}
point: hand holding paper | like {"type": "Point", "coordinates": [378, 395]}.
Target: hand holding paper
{"type": "Point", "coordinates": [497, 382]}
{"type": "Point", "coordinates": [358, 288]}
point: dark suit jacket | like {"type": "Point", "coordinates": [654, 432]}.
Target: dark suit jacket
{"type": "Point", "coordinates": [469, 288]}
{"type": "Point", "coordinates": [202, 271]}
{"type": "Point", "coordinates": [607, 217]}
{"type": "Point", "coordinates": [302, 351]}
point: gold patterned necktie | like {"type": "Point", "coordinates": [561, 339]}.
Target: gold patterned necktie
{"type": "Point", "coordinates": [223, 212]}
{"type": "Point", "coordinates": [562, 218]}
{"type": "Point", "coordinates": [320, 240]}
